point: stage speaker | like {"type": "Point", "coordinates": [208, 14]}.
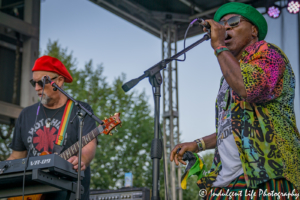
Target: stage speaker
{"type": "Point", "coordinates": [124, 193]}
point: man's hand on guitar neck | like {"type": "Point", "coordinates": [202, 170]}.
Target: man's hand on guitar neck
{"type": "Point", "coordinates": [88, 153]}
{"type": "Point", "coordinates": [74, 161]}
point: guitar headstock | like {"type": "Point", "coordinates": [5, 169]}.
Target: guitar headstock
{"type": "Point", "coordinates": [111, 123]}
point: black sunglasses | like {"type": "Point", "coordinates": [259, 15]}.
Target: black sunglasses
{"type": "Point", "coordinates": [40, 83]}
{"type": "Point", "coordinates": [232, 21]}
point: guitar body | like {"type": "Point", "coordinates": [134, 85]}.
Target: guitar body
{"type": "Point", "coordinates": [45, 153]}
{"type": "Point", "coordinates": [29, 197]}
{"type": "Point", "coordinates": [109, 124]}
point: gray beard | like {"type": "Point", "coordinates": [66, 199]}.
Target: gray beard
{"type": "Point", "coordinates": [45, 99]}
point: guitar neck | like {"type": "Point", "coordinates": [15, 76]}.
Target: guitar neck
{"type": "Point", "coordinates": [74, 149]}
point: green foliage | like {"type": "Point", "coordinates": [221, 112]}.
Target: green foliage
{"type": "Point", "coordinates": [208, 158]}
{"type": "Point", "coordinates": [128, 150]}
{"type": "Point", "coordinates": [5, 139]}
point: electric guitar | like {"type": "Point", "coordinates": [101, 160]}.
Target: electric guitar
{"type": "Point", "coordinates": [109, 124]}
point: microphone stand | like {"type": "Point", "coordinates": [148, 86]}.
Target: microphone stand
{"type": "Point", "coordinates": [155, 80]}
{"type": "Point", "coordinates": [82, 112]}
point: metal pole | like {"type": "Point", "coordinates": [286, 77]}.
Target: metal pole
{"type": "Point", "coordinates": [171, 128]}
{"type": "Point", "coordinates": [78, 191]}
{"type": "Point", "coordinates": [156, 145]}
{"type": "Point", "coordinates": [165, 139]}
{"type": "Point", "coordinates": [30, 53]}
{"type": "Point", "coordinates": [177, 118]}
{"type": "Point", "coordinates": [170, 109]}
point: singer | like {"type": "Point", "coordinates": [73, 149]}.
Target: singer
{"type": "Point", "coordinates": [257, 143]}
{"type": "Point", "coordinates": [38, 130]}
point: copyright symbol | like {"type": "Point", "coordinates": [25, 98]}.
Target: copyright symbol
{"type": "Point", "coordinates": [202, 193]}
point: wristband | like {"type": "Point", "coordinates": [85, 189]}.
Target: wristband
{"type": "Point", "coordinates": [200, 144]}
{"type": "Point", "coordinates": [218, 50]}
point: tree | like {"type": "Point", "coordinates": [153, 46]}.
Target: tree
{"type": "Point", "coordinates": [129, 149]}
{"type": "Point", "coordinates": [5, 139]}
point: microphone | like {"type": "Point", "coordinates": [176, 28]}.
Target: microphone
{"type": "Point", "coordinates": [206, 25]}
{"type": "Point", "coordinates": [46, 79]}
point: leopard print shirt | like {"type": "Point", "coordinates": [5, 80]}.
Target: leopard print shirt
{"type": "Point", "coordinates": [264, 124]}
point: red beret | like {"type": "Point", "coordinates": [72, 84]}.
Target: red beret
{"type": "Point", "coordinates": [50, 64]}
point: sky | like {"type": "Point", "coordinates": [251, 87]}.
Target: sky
{"type": "Point", "coordinates": [91, 32]}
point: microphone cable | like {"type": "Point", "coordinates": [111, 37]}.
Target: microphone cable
{"type": "Point", "coordinates": [26, 162]}
{"type": "Point", "coordinates": [184, 40]}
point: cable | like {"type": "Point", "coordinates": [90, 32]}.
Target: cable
{"type": "Point", "coordinates": [190, 25]}
{"type": "Point", "coordinates": [26, 163]}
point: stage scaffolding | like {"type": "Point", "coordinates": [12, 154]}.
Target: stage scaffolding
{"type": "Point", "coordinates": [19, 48]}
{"type": "Point", "coordinates": [171, 134]}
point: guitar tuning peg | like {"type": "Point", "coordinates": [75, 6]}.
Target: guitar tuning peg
{"type": "Point", "coordinates": [116, 129]}
{"type": "Point", "coordinates": [111, 134]}
{"type": "Point", "coordinates": [105, 118]}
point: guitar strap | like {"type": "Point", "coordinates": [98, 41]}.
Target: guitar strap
{"type": "Point", "coordinates": [57, 149]}
{"type": "Point", "coordinates": [64, 123]}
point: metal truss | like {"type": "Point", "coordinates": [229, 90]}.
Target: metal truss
{"type": "Point", "coordinates": [29, 30]}
{"type": "Point", "coordinates": [170, 109]}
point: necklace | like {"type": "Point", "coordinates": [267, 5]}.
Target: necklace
{"type": "Point", "coordinates": [48, 121]}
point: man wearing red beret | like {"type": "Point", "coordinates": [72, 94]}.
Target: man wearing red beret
{"type": "Point", "coordinates": [38, 130]}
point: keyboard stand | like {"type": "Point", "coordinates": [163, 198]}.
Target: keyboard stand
{"type": "Point", "coordinates": [37, 181]}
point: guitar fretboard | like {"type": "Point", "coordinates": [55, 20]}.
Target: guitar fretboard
{"type": "Point", "coordinates": [74, 149]}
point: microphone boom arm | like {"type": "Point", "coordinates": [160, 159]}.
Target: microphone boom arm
{"type": "Point", "coordinates": [161, 65]}
{"type": "Point", "coordinates": [155, 79]}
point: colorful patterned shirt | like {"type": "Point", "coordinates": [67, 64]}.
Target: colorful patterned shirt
{"type": "Point", "coordinates": [263, 124]}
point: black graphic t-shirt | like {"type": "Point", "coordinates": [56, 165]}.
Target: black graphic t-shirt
{"type": "Point", "coordinates": [37, 138]}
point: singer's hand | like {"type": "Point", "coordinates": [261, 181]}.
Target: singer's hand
{"type": "Point", "coordinates": [217, 33]}
{"type": "Point", "coordinates": [187, 146]}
